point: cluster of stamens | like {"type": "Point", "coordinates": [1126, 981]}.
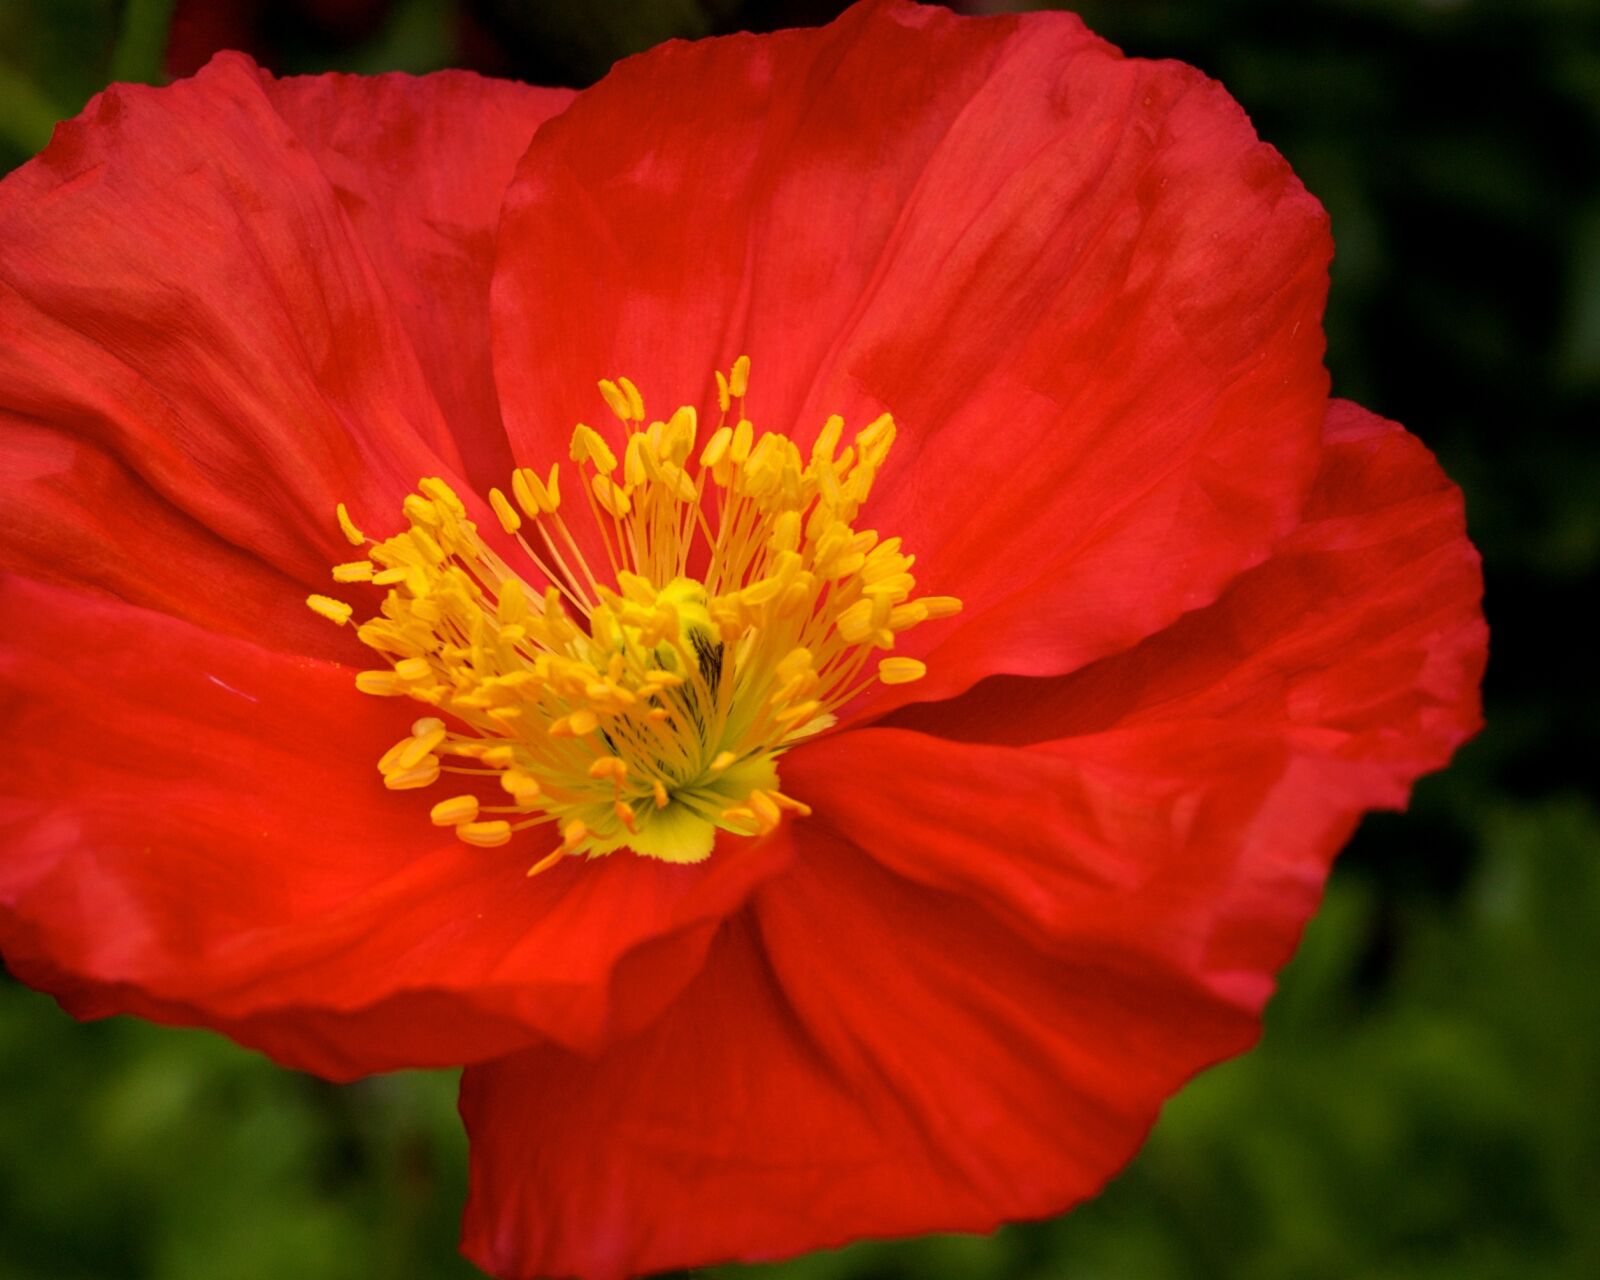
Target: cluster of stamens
{"type": "Point", "coordinates": [644, 704]}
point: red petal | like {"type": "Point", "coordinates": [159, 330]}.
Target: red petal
{"type": "Point", "coordinates": [980, 1021]}
{"type": "Point", "coordinates": [186, 308]}
{"type": "Point", "coordinates": [1196, 789]}
{"type": "Point", "coordinates": [194, 830]}
{"type": "Point", "coordinates": [878, 1060]}
{"type": "Point", "coordinates": [1365, 623]}
{"type": "Point", "coordinates": [73, 512]}
{"type": "Point", "coordinates": [420, 166]}
{"type": "Point", "coordinates": [1089, 295]}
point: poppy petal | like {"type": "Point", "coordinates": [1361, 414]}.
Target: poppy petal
{"type": "Point", "coordinates": [1194, 791]}
{"type": "Point", "coordinates": [972, 1010]}
{"type": "Point", "coordinates": [184, 841]}
{"type": "Point", "coordinates": [1366, 621]}
{"type": "Point", "coordinates": [867, 1058]}
{"type": "Point", "coordinates": [420, 166]}
{"type": "Point", "coordinates": [73, 512]}
{"type": "Point", "coordinates": [185, 304]}
{"type": "Point", "coordinates": [1088, 293]}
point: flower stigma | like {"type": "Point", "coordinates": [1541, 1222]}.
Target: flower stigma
{"type": "Point", "coordinates": [717, 609]}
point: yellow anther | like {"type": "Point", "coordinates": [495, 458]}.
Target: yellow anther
{"type": "Point", "coordinates": [875, 440]}
{"type": "Point", "coordinates": [634, 471]}
{"type": "Point", "coordinates": [353, 535]}
{"type": "Point", "coordinates": [536, 497]}
{"type": "Point", "coordinates": [388, 761]}
{"type": "Point", "coordinates": [940, 606]}
{"type": "Point", "coordinates": [510, 521]}
{"type": "Point", "coordinates": [827, 443]}
{"type": "Point", "coordinates": [677, 441]}
{"type": "Point", "coordinates": [454, 811]}
{"type": "Point", "coordinates": [420, 511]}
{"type": "Point", "coordinates": [905, 616]}
{"type": "Point", "coordinates": [427, 548]}
{"type": "Point", "coordinates": [635, 400]}
{"type": "Point", "coordinates": [485, 835]}
{"type": "Point", "coordinates": [717, 447]}
{"type": "Point", "coordinates": [739, 377]}
{"type": "Point", "coordinates": [739, 447]}
{"type": "Point", "coordinates": [613, 497]}
{"type": "Point", "coordinates": [855, 623]}
{"type": "Point", "coordinates": [523, 489]}
{"type": "Point", "coordinates": [589, 446]}
{"type": "Point", "coordinates": [577, 725]}
{"type": "Point", "coordinates": [336, 611]}
{"type": "Point", "coordinates": [412, 670]}
{"type": "Point", "coordinates": [440, 492]}
{"type": "Point", "coordinates": [382, 684]}
{"type": "Point", "coordinates": [785, 532]}
{"type": "Point", "coordinates": [573, 835]}
{"type": "Point", "coordinates": [353, 571]}
{"type": "Point", "coordinates": [724, 397]}
{"type": "Point", "coordinates": [424, 773]}
{"type": "Point", "coordinates": [616, 398]}
{"type": "Point", "coordinates": [420, 748]}
{"type": "Point", "coordinates": [658, 793]}
{"type": "Point", "coordinates": [522, 787]}
{"type": "Point", "coordinates": [901, 670]}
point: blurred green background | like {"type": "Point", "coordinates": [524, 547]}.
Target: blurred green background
{"type": "Point", "coordinates": [1424, 1103]}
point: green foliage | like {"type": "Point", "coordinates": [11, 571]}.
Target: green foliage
{"type": "Point", "coordinates": [129, 1150]}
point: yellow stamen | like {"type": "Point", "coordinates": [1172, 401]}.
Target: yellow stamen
{"type": "Point", "coordinates": [454, 811]}
{"type": "Point", "coordinates": [354, 571]}
{"type": "Point", "coordinates": [333, 610]}
{"type": "Point", "coordinates": [643, 699]}
{"type": "Point", "coordinates": [486, 835]}
{"type": "Point", "coordinates": [510, 521]}
{"type": "Point", "coordinates": [352, 534]}
{"type": "Point", "coordinates": [901, 670]}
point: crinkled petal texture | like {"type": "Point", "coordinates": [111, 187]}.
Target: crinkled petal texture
{"type": "Point", "coordinates": [228, 305]}
{"type": "Point", "coordinates": [997, 952]}
{"type": "Point", "coordinates": [1090, 296]}
{"type": "Point", "coordinates": [224, 307]}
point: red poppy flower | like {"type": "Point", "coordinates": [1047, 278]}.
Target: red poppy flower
{"type": "Point", "coordinates": [833, 955]}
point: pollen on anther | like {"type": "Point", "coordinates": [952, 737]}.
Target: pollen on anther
{"type": "Point", "coordinates": [352, 534]}
{"type": "Point", "coordinates": [901, 670]}
{"type": "Point", "coordinates": [333, 610]}
{"type": "Point", "coordinates": [486, 835]}
{"type": "Point", "coordinates": [454, 811]}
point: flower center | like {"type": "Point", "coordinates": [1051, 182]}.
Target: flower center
{"type": "Point", "coordinates": [645, 704]}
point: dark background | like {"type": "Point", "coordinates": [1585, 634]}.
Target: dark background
{"type": "Point", "coordinates": [1424, 1103]}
